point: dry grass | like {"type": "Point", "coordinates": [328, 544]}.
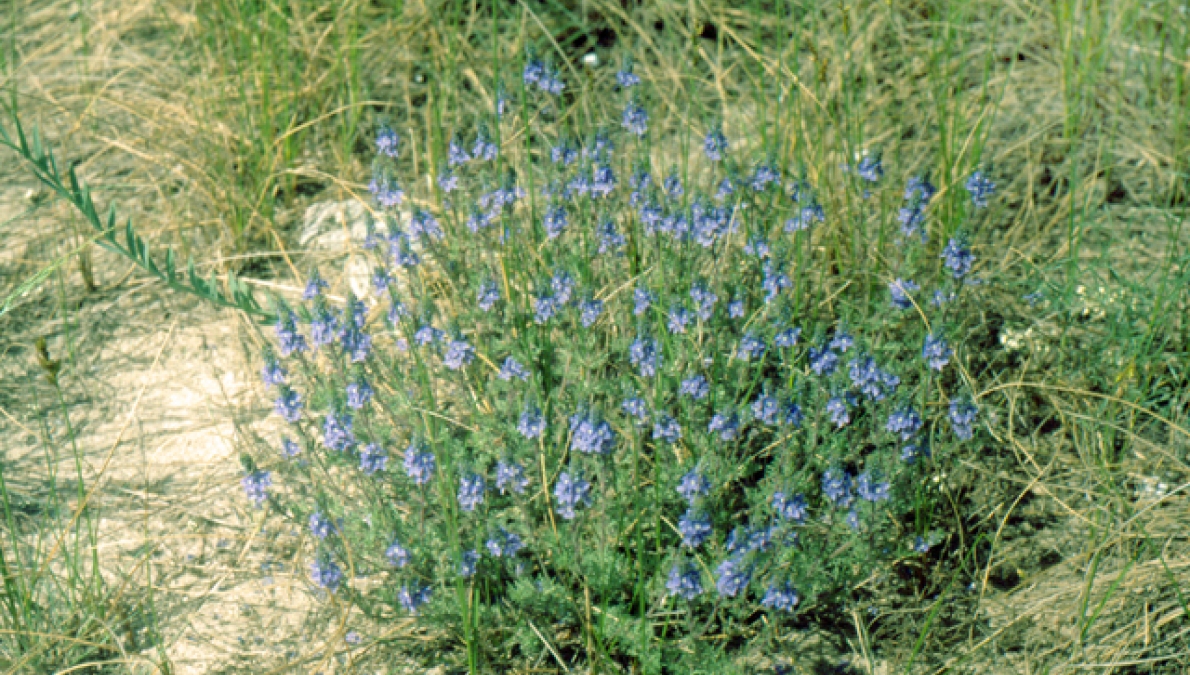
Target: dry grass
{"type": "Point", "coordinates": [1087, 568]}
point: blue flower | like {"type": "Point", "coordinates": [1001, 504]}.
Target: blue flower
{"type": "Point", "coordinates": [571, 492]}
{"type": "Point", "coordinates": [471, 490]}
{"type": "Point", "coordinates": [563, 153]}
{"type": "Point", "coordinates": [456, 154]}
{"type": "Point", "coordinates": [695, 528]}
{"type": "Point", "coordinates": [667, 428]}
{"type": "Point", "coordinates": [468, 563]}
{"type": "Point", "coordinates": [790, 507]}
{"type": "Point", "coordinates": [869, 489]}
{"type": "Point", "coordinates": [458, 355]}
{"type": "Point", "coordinates": [359, 393]}
{"type": "Point", "coordinates": [936, 352]}
{"type": "Point", "coordinates": [870, 168]}
{"type": "Point", "coordinates": [715, 144]}
{"type": "Point", "coordinates": [695, 386]}
{"type": "Point", "coordinates": [852, 519]}
{"type": "Point", "coordinates": [320, 525]}
{"type": "Point", "coordinates": [783, 598]}
{"type": "Point", "coordinates": [727, 424]}
{"type": "Point", "coordinates": [919, 189]}
{"type": "Point", "coordinates": [725, 190]}
{"type": "Point", "coordinates": [544, 308]}
{"type": "Point", "coordinates": [448, 181]}
{"type": "Point", "coordinates": [555, 221]}
{"type": "Point", "coordinates": [589, 311]}
{"type": "Point", "coordinates": [381, 280]}
{"type": "Point", "coordinates": [693, 485]}
{"type": "Point", "coordinates": [423, 224]}
{"type": "Point", "coordinates": [793, 415]}
{"type": "Point", "coordinates": [980, 187]}
{"type": "Point", "coordinates": [775, 281]}
{"type": "Point", "coordinates": [642, 299]}
{"type": "Point", "coordinates": [836, 486]}
{"type": "Point", "coordinates": [823, 361]}
{"type": "Point", "coordinates": [912, 219]}
{"type": "Point", "coordinates": [752, 347]}
{"type": "Point", "coordinates": [591, 434]}
{"type": "Point", "coordinates": [920, 545]}
{"type": "Point", "coordinates": [679, 318]}
{"type": "Point", "coordinates": [757, 246]}
{"type": "Point", "coordinates": [603, 181]}
{"type": "Point", "coordinates": [326, 574]}
{"type": "Point", "coordinates": [532, 424]}
{"type": "Point", "coordinates": [911, 452]}
{"type": "Point", "coordinates": [904, 421]}
{"type": "Point", "coordinates": [837, 409]}
{"type": "Point", "coordinates": [337, 434]}
{"type": "Point", "coordinates": [958, 258]}
{"type": "Point", "coordinates": [512, 476]}
{"type": "Point", "coordinates": [387, 142]}
{"type": "Point", "coordinates": [395, 311]}
{"type": "Point", "coordinates": [806, 217]}
{"type": "Point", "coordinates": [627, 79]}
{"type": "Point", "coordinates": [645, 355]}
{"type": "Point", "coordinates": [635, 119]}
{"type": "Point", "coordinates": [787, 338]}
{"type": "Point", "coordinates": [273, 372]}
{"type": "Point", "coordinates": [488, 295]}
{"type": "Point", "coordinates": [684, 581]}
{"type": "Point", "coordinates": [372, 458]}
{"type": "Point", "coordinates": [289, 448]}
{"type": "Point", "coordinates": [733, 577]}
{"type": "Point", "coordinates": [763, 176]}
{"type": "Point", "coordinates": [512, 368]}
{"type": "Point", "coordinates": [962, 417]}
{"type": "Point", "coordinates": [842, 341]}
{"type": "Point", "coordinates": [704, 301]}
{"type": "Point", "coordinates": [413, 597]}
{"type": "Point", "coordinates": [323, 327]}
{"type": "Point", "coordinates": [485, 150]}
{"type": "Point", "coordinates": [288, 339]}
{"type": "Point", "coordinates": [396, 554]}
{"type": "Point", "coordinates": [636, 407]}
{"type": "Point", "coordinates": [419, 465]}
{"type": "Point", "coordinates": [314, 286]}
{"type": "Point", "coordinates": [563, 285]}
{"type": "Point", "coordinates": [427, 334]}
{"type": "Point", "coordinates": [873, 382]}
{"type": "Point", "coordinates": [765, 409]}
{"type": "Point", "coordinates": [735, 309]}
{"type": "Point", "coordinates": [256, 486]}
{"type": "Point", "coordinates": [899, 291]}
{"type": "Point", "coordinates": [610, 238]}
{"type": "Point", "coordinates": [504, 544]}
{"type": "Point", "coordinates": [673, 186]}
{"type": "Point", "coordinates": [385, 191]}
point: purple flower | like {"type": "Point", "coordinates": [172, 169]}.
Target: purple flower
{"type": "Point", "coordinates": [733, 577]}
{"type": "Point", "coordinates": [448, 181]}
{"type": "Point", "coordinates": [510, 475]}
{"type": "Point", "coordinates": [336, 431]}
{"type": "Point", "coordinates": [590, 434]}
{"type": "Point", "coordinates": [314, 286]}
{"type": "Point", "coordinates": [790, 507]}
{"type": "Point", "coordinates": [936, 352]}
{"type": "Point", "coordinates": [289, 448]}
{"type": "Point", "coordinates": [427, 334]}
{"type": "Point", "coordinates": [667, 428]}
{"type": "Point", "coordinates": [962, 417]}
{"type": "Point", "coordinates": [256, 485]}
{"type": "Point", "coordinates": [869, 489]}
{"type": "Point", "coordinates": [396, 554]}
{"type": "Point", "coordinates": [323, 327]}
{"type": "Point", "coordinates": [471, 490]}
{"type": "Point", "coordinates": [488, 295]}
{"type": "Point", "coordinates": [783, 598]}
{"type": "Point", "coordinates": [980, 187]}
{"type": "Point", "coordinates": [627, 79]}
{"type": "Point", "coordinates": [645, 355]}
{"type": "Point", "coordinates": [695, 386]}
{"type": "Point", "coordinates": [288, 404]}
{"type": "Point", "coordinates": [359, 393]}
{"type": "Point", "coordinates": [532, 424]}
{"type": "Point", "coordinates": [326, 574]}
{"type": "Point", "coordinates": [752, 347]}
{"type": "Point", "coordinates": [642, 299]}
{"type": "Point", "coordinates": [456, 154]}
{"type": "Point", "coordinates": [386, 191]}
{"type": "Point", "coordinates": [419, 465]}
{"type": "Point", "coordinates": [458, 355]}
{"type": "Point", "coordinates": [899, 291]}
{"type": "Point", "coordinates": [695, 528]}
{"type": "Point", "coordinates": [684, 581]}
{"type": "Point", "coordinates": [485, 150]}
{"type": "Point", "coordinates": [836, 486]}
{"type": "Point", "coordinates": [372, 458]}
{"type": "Point", "coordinates": [693, 485]}
{"type": "Point", "coordinates": [715, 144]}
{"type": "Point", "coordinates": [571, 492]}
{"type": "Point", "coordinates": [512, 369]}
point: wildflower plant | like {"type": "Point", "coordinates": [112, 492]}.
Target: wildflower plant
{"type": "Point", "coordinates": [594, 389]}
